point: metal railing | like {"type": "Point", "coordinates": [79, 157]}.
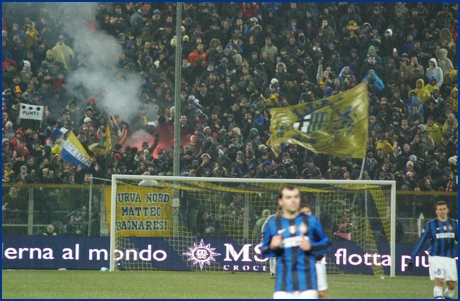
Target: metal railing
{"type": "Point", "coordinates": [81, 209]}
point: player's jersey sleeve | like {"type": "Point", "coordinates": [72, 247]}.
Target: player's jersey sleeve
{"type": "Point", "coordinates": [320, 242]}
{"type": "Point", "coordinates": [425, 235]}
{"type": "Point", "coordinates": [269, 232]}
{"type": "Point", "coordinates": [456, 231]}
{"type": "Point", "coordinates": [264, 225]}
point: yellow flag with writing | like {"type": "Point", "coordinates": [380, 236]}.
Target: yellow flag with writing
{"type": "Point", "coordinates": [337, 125]}
{"type": "Point", "coordinates": [104, 146]}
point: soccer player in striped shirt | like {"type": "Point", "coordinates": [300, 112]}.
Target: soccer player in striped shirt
{"type": "Point", "coordinates": [442, 233]}
{"type": "Point", "coordinates": [294, 239]}
{"type": "Point", "coordinates": [272, 262]}
{"type": "Point", "coordinates": [320, 266]}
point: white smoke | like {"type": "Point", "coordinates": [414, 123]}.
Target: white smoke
{"type": "Point", "coordinates": [101, 75]}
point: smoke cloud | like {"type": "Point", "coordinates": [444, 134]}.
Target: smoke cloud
{"type": "Point", "coordinates": [101, 76]}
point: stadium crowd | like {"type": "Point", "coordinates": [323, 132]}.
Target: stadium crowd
{"type": "Point", "coordinates": [239, 60]}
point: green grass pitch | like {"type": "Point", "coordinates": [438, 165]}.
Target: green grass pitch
{"type": "Point", "coordinates": [52, 284]}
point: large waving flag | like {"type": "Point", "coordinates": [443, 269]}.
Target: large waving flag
{"type": "Point", "coordinates": [337, 125]}
{"type": "Point", "coordinates": [104, 146]}
{"type": "Point", "coordinates": [75, 153]}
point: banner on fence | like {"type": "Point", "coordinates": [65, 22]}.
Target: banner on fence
{"type": "Point", "coordinates": [141, 211]}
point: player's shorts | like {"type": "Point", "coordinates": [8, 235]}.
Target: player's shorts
{"type": "Point", "coordinates": [443, 267]}
{"type": "Point", "coordinates": [321, 276]}
{"type": "Point", "coordinates": [308, 294]}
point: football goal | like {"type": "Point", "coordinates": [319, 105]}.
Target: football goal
{"type": "Point", "coordinates": [184, 210]}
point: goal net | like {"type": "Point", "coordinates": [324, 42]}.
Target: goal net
{"type": "Point", "coordinates": [184, 210]}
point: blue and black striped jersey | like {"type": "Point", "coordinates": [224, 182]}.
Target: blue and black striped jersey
{"type": "Point", "coordinates": [295, 269]}
{"type": "Point", "coordinates": [442, 236]}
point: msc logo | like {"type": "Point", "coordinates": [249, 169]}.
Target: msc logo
{"type": "Point", "coordinates": [201, 254]}
{"type": "Point", "coordinates": [311, 123]}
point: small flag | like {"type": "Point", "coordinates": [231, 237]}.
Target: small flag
{"type": "Point", "coordinates": [104, 146]}
{"type": "Point", "coordinates": [116, 128]}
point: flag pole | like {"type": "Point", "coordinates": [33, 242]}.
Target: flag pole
{"type": "Point", "coordinates": [362, 168]}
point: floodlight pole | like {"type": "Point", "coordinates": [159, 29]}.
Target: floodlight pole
{"type": "Point", "coordinates": [177, 112]}
{"type": "Point", "coordinates": [90, 206]}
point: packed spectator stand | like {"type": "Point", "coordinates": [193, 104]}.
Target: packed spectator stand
{"type": "Point", "coordinates": [239, 60]}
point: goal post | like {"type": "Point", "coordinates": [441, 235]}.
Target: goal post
{"type": "Point", "coordinates": [356, 210]}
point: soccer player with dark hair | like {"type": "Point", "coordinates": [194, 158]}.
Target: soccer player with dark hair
{"type": "Point", "coordinates": [320, 266]}
{"type": "Point", "coordinates": [442, 233]}
{"type": "Point", "coordinates": [294, 239]}
{"type": "Point", "coordinates": [272, 262]}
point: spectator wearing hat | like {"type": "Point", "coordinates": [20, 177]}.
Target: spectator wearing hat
{"type": "Point", "coordinates": [264, 170]}
{"type": "Point", "coordinates": [50, 231]}
{"type": "Point", "coordinates": [429, 43]}
{"type": "Point", "coordinates": [390, 72]}
{"type": "Point", "coordinates": [349, 16]}
{"type": "Point", "coordinates": [88, 128]}
{"type": "Point", "coordinates": [447, 182]}
{"type": "Point", "coordinates": [387, 43]}
{"type": "Point", "coordinates": [88, 112]}
{"type": "Point", "coordinates": [425, 137]}
{"type": "Point", "coordinates": [13, 113]}
{"type": "Point", "coordinates": [24, 176]}
{"type": "Point", "coordinates": [371, 63]}
{"type": "Point", "coordinates": [376, 19]}
{"type": "Point", "coordinates": [431, 85]}
{"type": "Point", "coordinates": [18, 86]}
{"type": "Point", "coordinates": [444, 18]}
{"type": "Point", "coordinates": [7, 61]}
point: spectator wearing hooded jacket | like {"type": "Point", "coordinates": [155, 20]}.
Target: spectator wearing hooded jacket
{"type": "Point", "coordinates": [444, 62]}
{"type": "Point", "coordinates": [435, 71]}
{"type": "Point", "coordinates": [372, 76]}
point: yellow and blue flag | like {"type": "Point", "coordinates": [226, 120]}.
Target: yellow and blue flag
{"type": "Point", "coordinates": [75, 153]}
{"type": "Point", "coordinates": [104, 146]}
{"type": "Point", "coordinates": [337, 125]}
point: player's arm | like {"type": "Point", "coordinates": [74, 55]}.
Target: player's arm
{"type": "Point", "coordinates": [264, 226]}
{"type": "Point", "coordinates": [320, 243]}
{"type": "Point", "coordinates": [456, 231]}
{"type": "Point", "coordinates": [419, 246]}
{"type": "Point", "coordinates": [268, 234]}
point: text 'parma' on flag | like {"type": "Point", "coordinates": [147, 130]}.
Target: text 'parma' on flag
{"type": "Point", "coordinates": [337, 125]}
